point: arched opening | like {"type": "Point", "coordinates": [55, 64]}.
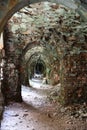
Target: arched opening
{"type": "Point", "coordinates": [65, 56]}
{"type": "Point", "coordinates": [54, 56]}
{"type": "Point", "coordinates": [37, 73]}
{"type": "Point", "coordinates": [39, 67]}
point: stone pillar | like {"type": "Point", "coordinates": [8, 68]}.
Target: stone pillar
{"type": "Point", "coordinates": [1, 91]}
{"type": "Point", "coordinates": [74, 78]}
{"type": "Point", "coordinates": [11, 82]}
{"type": "Point", "coordinates": [1, 101]}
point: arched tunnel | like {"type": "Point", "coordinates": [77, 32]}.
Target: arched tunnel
{"type": "Point", "coordinates": [44, 40]}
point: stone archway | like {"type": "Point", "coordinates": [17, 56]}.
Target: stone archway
{"type": "Point", "coordinates": [9, 7]}
{"type": "Point", "coordinates": [17, 6]}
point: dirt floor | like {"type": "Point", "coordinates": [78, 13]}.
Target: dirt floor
{"type": "Point", "coordinates": [37, 112]}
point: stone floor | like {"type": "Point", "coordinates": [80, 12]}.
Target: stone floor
{"type": "Point", "coordinates": [29, 115]}
{"type": "Point", "coordinates": [36, 112]}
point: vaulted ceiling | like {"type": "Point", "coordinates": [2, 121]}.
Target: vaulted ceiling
{"type": "Point", "coordinates": [9, 7]}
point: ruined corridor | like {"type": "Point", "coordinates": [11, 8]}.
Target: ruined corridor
{"type": "Point", "coordinates": [43, 65]}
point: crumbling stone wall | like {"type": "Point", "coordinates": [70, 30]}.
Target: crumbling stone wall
{"type": "Point", "coordinates": [9, 7]}
{"type": "Point", "coordinates": [12, 88]}
{"type": "Point", "coordinates": [1, 86]}
{"type": "Point", "coordinates": [67, 41]}
{"type": "Point", "coordinates": [75, 78]}
{"type": "Point", "coordinates": [1, 101]}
